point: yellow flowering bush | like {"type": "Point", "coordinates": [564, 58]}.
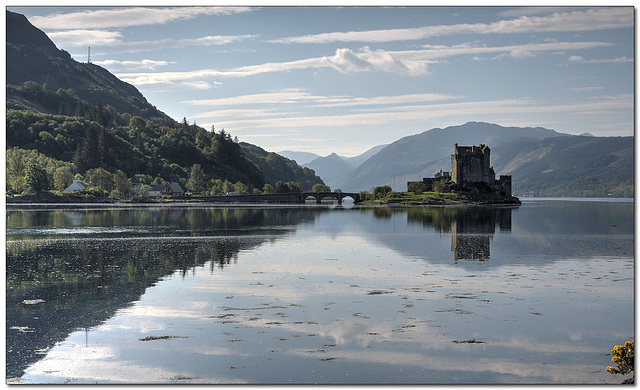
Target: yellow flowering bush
{"type": "Point", "coordinates": [623, 357]}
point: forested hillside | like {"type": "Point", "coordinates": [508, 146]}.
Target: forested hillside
{"type": "Point", "coordinates": [77, 120]}
{"type": "Point", "coordinates": [142, 148]}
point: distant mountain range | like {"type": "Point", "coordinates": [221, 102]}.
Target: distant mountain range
{"type": "Point", "coordinates": [330, 166]}
{"type": "Point", "coordinates": [542, 162]}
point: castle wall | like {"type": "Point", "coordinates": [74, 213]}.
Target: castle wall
{"type": "Point", "coordinates": [504, 184]}
{"type": "Point", "coordinates": [472, 164]}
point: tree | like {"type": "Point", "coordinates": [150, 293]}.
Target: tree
{"type": "Point", "coordinates": [381, 192]}
{"type": "Point", "coordinates": [88, 153]}
{"type": "Point", "coordinates": [62, 178]}
{"type": "Point", "coordinates": [136, 123]}
{"type": "Point", "coordinates": [196, 179]}
{"type": "Point", "coordinates": [100, 178]}
{"type": "Point", "coordinates": [36, 178]}
{"type": "Point", "coordinates": [442, 186]}
{"type": "Point", "coordinates": [294, 186]}
{"type": "Point", "coordinates": [417, 187]}
{"type": "Point", "coordinates": [62, 110]}
{"type": "Point", "coordinates": [268, 189]}
{"type": "Point", "coordinates": [217, 187]}
{"type": "Point", "coordinates": [240, 188]}
{"type": "Point", "coordinates": [320, 188]}
{"type": "Point", "coordinates": [80, 113]}
{"type": "Point", "coordinates": [140, 190]}
{"type": "Point", "coordinates": [120, 183]}
{"type": "Point", "coordinates": [281, 187]}
{"type": "Point", "coordinates": [227, 186]}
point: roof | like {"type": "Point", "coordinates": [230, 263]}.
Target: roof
{"type": "Point", "coordinates": [175, 187]}
{"type": "Point", "coordinates": [75, 186]}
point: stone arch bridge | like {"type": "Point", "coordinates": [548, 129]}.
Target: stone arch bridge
{"type": "Point", "coordinates": [296, 197]}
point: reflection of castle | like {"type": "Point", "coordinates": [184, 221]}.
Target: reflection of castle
{"type": "Point", "coordinates": [471, 164]}
{"type": "Point", "coordinates": [472, 232]}
{"type": "Point", "coordinates": [471, 228]}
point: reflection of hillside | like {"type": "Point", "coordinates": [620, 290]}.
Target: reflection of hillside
{"type": "Point", "coordinates": [85, 278]}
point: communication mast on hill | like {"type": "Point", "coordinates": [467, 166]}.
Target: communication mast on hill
{"type": "Point", "coordinates": [89, 55]}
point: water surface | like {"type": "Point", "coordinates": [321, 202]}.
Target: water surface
{"type": "Point", "coordinates": [534, 294]}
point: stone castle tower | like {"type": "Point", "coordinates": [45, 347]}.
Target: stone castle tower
{"type": "Point", "coordinates": [472, 164]}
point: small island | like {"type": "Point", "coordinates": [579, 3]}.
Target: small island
{"type": "Point", "coordinates": [471, 180]}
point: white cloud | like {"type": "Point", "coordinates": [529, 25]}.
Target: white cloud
{"type": "Point", "coordinates": [240, 113]}
{"type": "Point", "coordinates": [108, 42]}
{"type": "Point", "coordinates": [347, 61]}
{"type": "Point", "coordinates": [282, 97]}
{"type": "Point", "coordinates": [408, 62]}
{"type": "Point", "coordinates": [522, 54]}
{"type": "Point", "coordinates": [299, 96]}
{"type": "Point", "coordinates": [115, 66]}
{"type": "Point", "coordinates": [344, 61]}
{"type": "Point", "coordinates": [439, 52]}
{"type": "Point", "coordinates": [423, 112]}
{"type": "Point", "coordinates": [602, 61]}
{"type": "Point", "coordinates": [529, 11]}
{"type": "Point", "coordinates": [123, 17]}
{"type": "Point", "coordinates": [586, 89]}
{"type": "Point", "coordinates": [84, 37]}
{"type": "Point", "coordinates": [582, 20]}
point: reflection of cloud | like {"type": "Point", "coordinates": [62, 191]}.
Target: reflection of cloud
{"type": "Point", "coordinates": [80, 369]}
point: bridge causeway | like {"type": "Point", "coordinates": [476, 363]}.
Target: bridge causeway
{"type": "Point", "coordinates": [295, 197]}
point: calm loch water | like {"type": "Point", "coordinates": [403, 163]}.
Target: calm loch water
{"type": "Point", "coordinates": [534, 294]}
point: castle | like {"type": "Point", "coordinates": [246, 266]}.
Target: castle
{"type": "Point", "coordinates": [471, 165]}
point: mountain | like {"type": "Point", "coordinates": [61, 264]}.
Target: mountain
{"type": "Point", "coordinates": [31, 57]}
{"type": "Point", "coordinates": [541, 162]}
{"type": "Point", "coordinates": [278, 168]}
{"type": "Point", "coordinates": [581, 166]}
{"type": "Point", "coordinates": [334, 165]}
{"type": "Point", "coordinates": [329, 167]}
{"type": "Point", "coordinates": [409, 153]}
{"type": "Point", "coordinates": [357, 160]}
{"type": "Point", "coordinates": [299, 157]}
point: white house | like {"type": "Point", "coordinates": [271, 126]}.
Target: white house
{"type": "Point", "coordinates": [75, 186]}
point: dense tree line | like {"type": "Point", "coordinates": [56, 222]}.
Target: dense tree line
{"type": "Point", "coordinates": [105, 149]}
{"type": "Point", "coordinates": [139, 147]}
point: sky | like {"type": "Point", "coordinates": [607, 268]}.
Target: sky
{"type": "Point", "coordinates": [345, 79]}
